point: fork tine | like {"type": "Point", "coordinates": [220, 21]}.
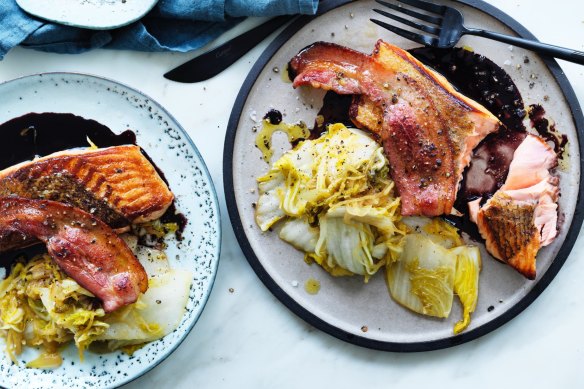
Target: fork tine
{"type": "Point", "coordinates": [423, 27]}
{"type": "Point", "coordinates": [439, 9]}
{"type": "Point", "coordinates": [417, 15]}
{"type": "Point", "coordinates": [421, 39]}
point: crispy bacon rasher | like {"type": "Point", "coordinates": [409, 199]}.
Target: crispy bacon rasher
{"type": "Point", "coordinates": [428, 129]}
{"type": "Point", "coordinates": [84, 247]}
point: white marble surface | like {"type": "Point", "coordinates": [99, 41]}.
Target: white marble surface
{"type": "Point", "coordinates": [247, 338]}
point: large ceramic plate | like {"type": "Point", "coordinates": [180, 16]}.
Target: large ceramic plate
{"type": "Point", "coordinates": [119, 108]}
{"type": "Point", "coordinates": [92, 14]}
{"type": "Point", "coordinates": [345, 306]}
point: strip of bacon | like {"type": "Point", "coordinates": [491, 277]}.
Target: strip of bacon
{"type": "Point", "coordinates": [428, 129]}
{"type": "Point", "coordinates": [84, 247]}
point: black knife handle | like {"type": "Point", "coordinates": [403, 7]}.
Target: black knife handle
{"type": "Point", "coordinates": [214, 61]}
{"type": "Point", "coordinates": [234, 49]}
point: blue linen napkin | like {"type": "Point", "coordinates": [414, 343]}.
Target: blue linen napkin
{"type": "Point", "coordinates": [172, 25]}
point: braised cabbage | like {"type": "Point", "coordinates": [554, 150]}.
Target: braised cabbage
{"type": "Point", "coordinates": [423, 277]}
{"type": "Point", "coordinates": [332, 198]}
{"type": "Point", "coordinates": [41, 306]}
{"type": "Point", "coordinates": [337, 200]}
{"type": "Point", "coordinates": [466, 282]}
{"type": "Point", "coordinates": [434, 266]}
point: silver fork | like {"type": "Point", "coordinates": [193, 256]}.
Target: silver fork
{"type": "Point", "coordinates": [446, 27]}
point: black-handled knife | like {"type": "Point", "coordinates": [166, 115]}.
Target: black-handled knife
{"type": "Point", "coordinates": [214, 61]}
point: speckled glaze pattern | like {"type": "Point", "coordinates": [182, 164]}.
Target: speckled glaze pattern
{"type": "Point", "coordinates": [120, 107]}
{"type": "Point", "coordinates": [92, 14]}
{"type": "Point", "coordinates": [345, 307]}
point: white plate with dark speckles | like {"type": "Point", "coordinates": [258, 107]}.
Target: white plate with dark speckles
{"type": "Point", "coordinates": [120, 108]}
{"type": "Point", "coordinates": [92, 14]}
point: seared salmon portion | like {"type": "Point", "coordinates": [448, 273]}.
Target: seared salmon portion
{"type": "Point", "coordinates": [522, 215]}
{"type": "Point", "coordinates": [428, 129]}
{"type": "Point", "coordinates": [84, 247]}
{"type": "Point", "coordinates": [116, 184]}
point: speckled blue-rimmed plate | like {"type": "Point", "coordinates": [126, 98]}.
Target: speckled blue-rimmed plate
{"type": "Point", "coordinates": [120, 108]}
{"type": "Point", "coordinates": [92, 14]}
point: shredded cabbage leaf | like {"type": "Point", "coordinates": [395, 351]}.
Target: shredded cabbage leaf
{"type": "Point", "coordinates": [423, 278]}
{"type": "Point", "coordinates": [40, 306]}
{"type": "Point", "coordinates": [336, 202]}
{"type": "Point", "coordinates": [434, 266]}
{"type": "Point", "coordinates": [300, 234]}
{"type": "Point", "coordinates": [466, 282]}
{"type": "Point", "coordinates": [347, 245]}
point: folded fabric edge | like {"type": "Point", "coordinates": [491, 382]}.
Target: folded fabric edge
{"type": "Point", "coordinates": [270, 7]}
{"type": "Point", "coordinates": [98, 40]}
{"type": "Point", "coordinates": [139, 37]}
{"type": "Point", "coordinates": [19, 28]}
{"type": "Point", "coordinates": [308, 7]}
{"type": "Point", "coordinates": [16, 27]}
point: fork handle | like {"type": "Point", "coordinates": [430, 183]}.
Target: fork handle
{"type": "Point", "coordinates": [542, 48]}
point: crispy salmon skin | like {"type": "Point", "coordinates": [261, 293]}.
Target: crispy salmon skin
{"type": "Point", "coordinates": [522, 216]}
{"type": "Point", "coordinates": [116, 184]}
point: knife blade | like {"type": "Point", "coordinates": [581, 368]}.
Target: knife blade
{"type": "Point", "coordinates": [214, 61]}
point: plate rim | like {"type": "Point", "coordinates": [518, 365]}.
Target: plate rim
{"type": "Point", "coordinates": [314, 320]}
{"type": "Point", "coordinates": [95, 26]}
{"type": "Point", "coordinates": [217, 209]}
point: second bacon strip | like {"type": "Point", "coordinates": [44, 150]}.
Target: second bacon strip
{"type": "Point", "coordinates": [84, 247]}
{"type": "Point", "coordinates": [428, 129]}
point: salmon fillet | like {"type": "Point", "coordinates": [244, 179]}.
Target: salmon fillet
{"type": "Point", "coordinates": [116, 184]}
{"type": "Point", "coordinates": [522, 215]}
{"type": "Point", "coordinates": [428, 130]}
{"type": "Point", "coordinates": [84, 247]}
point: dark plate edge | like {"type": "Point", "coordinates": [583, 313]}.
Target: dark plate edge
{"type": "Point", "coordinates": [314, 320]}
{"type": "Point", "coordinates": [206, 172]}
